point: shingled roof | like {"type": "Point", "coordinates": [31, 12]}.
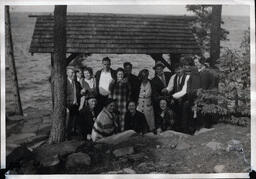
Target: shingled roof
{"type": "Point", "coordinates": [118, 34]}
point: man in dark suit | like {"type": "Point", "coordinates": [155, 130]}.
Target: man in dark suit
{"type": "Point", "coordinates": [103, 79]}
{"type": "Point", "coordinates": [133, 80]}
{"type": "Point", "coordinates": [73, 101]}
{"type": "Point", "coordinates": [160, 80]}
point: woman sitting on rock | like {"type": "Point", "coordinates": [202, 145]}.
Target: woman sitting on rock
{"type": "Point", "coordinates": [105, 127]}
{"type": "Point", "coordinates": [134, 119]}
{"type": "Point", "coordinates": [165, 117]}
{"type": "Point", "coordinates": [106, 123]}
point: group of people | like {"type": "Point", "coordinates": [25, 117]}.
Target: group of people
{"type": "Point", "coordinates": [114, 101]}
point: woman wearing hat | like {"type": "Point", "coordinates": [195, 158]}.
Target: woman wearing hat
{"type": "Point", "coordinates": [87, 116]}
{"type": "Point", "coordinates": [106, 122]}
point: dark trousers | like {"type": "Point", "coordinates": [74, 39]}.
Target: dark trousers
{"type": "Point", "coordinates": [184, 121]}
{"type": "Point", "coordinates": [101, 101]}
{"type": "Point", "coordinates": [72, 119]}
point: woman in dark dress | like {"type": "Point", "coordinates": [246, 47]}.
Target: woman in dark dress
{"type": "Point", "coordinates": [135, 120]}
{"type": "Point", "coordinates": [87, 116]}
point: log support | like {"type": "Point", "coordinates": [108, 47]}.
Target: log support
{"type": "Point", "coordinates": [159, 57]}
{"type": "Point", "coordinates": [59, 75]}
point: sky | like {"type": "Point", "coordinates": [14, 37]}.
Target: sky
{"type": "Point", "coordinates": [227, 10]}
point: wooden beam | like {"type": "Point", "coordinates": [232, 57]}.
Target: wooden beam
{"type": "Point", "coordinates": [158, 57]}
{"type": "Point", "coordinates": [215, 34]}
{"type": "Point", "coordinates": [71, 57]}
{"type": "Point", "coordinates": [59, 76]}
{"type": "Point", "coordinates": [11, 61]}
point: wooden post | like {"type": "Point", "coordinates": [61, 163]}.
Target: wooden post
{"type": "Point", "coordinates": [11, 62]}
{"type": "Point", "coordinates": [59, 75]}
{"type": "Point", "coordinates": [215, 34]}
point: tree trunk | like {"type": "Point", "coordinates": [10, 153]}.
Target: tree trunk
{"type": "Point", "coordinates": [215, 34]}
{"type": "Point", "coordinates": [11, 63]}
{"type": "Point", "coordinates": [59, 75]}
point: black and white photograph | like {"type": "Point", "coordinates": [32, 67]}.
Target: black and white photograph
{"type": "Point", "coordinates": [119, 89]}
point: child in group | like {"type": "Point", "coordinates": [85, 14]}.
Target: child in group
{"type": "Point", "coordinates": [165, 117]}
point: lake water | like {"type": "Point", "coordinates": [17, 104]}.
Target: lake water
{"type": "Point", "coordinates": [34, 70]}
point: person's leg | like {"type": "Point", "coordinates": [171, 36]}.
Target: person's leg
{"type": "Point", "coordinates": [69, 122]}
{"type": "Point", "coordinates": [177, 116]}
{"type": "Point", "coordinates": [75, 118]}
{"type": "Point", "coordinates": [189, 123]}
{"type": "Point", "coordinates": [117, 138]}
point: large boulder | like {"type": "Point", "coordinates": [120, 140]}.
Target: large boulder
{"type": "Point", "coordinates": [214, 145]}
{"type": "Point", "coordinates": [60, 150]}
{"type": "Point", "coordinates": [78, 160]}
{"type": "Point", "coordinates": [17, 156]}
{"type": "Point", "coordinates": [50, 161]}
{"type": "Point", "coordinates": [123, 151]}
{"type": "Point", "coordinates": [171, 133]}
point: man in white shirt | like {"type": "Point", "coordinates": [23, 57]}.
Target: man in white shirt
{"type": "Point", "coordinates": [177, 86]}
{"type": "Point", "coordinates": [103, 79]}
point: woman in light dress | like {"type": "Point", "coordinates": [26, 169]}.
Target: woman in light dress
{"type": "Point", "coordinates": [88, 85]}
{"type": "Point", "coordinates": [145, 99]}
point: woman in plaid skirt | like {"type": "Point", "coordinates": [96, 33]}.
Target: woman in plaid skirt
{"type": "Point", "coordinates": [120, 90]}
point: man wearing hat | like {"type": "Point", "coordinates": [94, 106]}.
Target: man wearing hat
{"type": "Point", "coordinates": [73, 100]}
{"type": "Point", "coordinates": [159, 82]}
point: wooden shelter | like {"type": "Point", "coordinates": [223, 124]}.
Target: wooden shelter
{"type": "Point", "coordinates": [118, 34]}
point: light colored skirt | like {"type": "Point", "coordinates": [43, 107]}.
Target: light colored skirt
{"type": "Point", "coordinates": [145, 106]}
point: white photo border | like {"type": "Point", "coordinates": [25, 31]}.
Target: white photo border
{"type": "Point", "coordinates": [250, 3]}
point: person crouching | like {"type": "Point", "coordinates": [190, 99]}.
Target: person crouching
{"type": "Point", "coordinates": [165, 117]}
{"type": "Point", "coordinates": [135, 120]}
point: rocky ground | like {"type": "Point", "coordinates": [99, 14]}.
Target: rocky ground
{"type": "Point", "coordinates": [223, 148]}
